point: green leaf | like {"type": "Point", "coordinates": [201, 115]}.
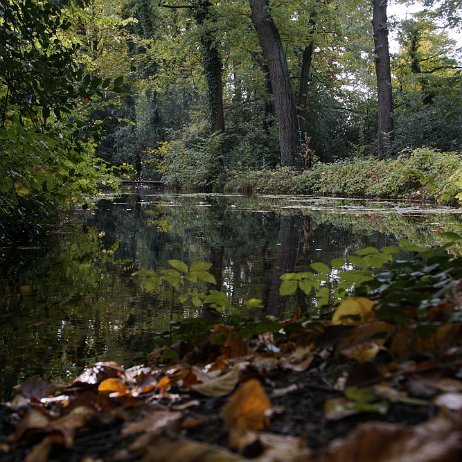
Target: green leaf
{"type": "Point", "coordinates": [253, 303]}
{"type": "Point", "coordinates": [289, 277]}
{"type": "Point", "coordinates": [201, 276]}
{"type": "Point", "coordinates": [118, 81]}
{"type": "Point", "coordinates": [305, 275]}
{"type": "Point", "coordinates": [355, 277]}
{"type": "Point", "coordinates": [337, 263]}
{"type": "Point", "coordinates": [408, 247]}
{"type": "Point", "coordinates": [178, 265]}
{"type": "Point", "coordinates": [320, 267]}
{"type": "Point", "coordinates": [452, 236]}
{"type": "Point", "coordinates": [200, 266]}
{"type": "Point", "coordinates": [305, 286]}
{"type": "Point", "coordinates": [376, 260]}
{"type": "Point", "coordinates": [357, 261]}
{"type": "Point", "coordinates": [366, 251]}
{"type": "Point", "coordinates": [196, 301]}
{"type": "Point", "coordinates": [288, 288]}
{"type": "Point", "coordinates": [172, 277]}
{"type": "Point", "coordinates": [323, 296]}
{"type": "Point", "coordinates": [217, 300]}
{"type": "Point", "coordinates": [390, 249]}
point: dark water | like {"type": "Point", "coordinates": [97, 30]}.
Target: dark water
{"type": "Point", "coordinates": [74, 301]}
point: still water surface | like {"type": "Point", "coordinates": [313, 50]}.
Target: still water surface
{"type": "Point", "coordinates": [74, 300]}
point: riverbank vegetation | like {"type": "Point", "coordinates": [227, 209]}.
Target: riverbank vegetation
{"type": "Point", "coordinates": [191, 93]}
{"type": "Point", "coordinates": [420, 175]}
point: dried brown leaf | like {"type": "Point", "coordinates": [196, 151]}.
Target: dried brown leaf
{"type": "Point", "coordinates": [97, 373]}
{"type": "Point", "coordinates": [219, 386]}
{"type": "Point", "coordinates": [245, 412]}
{"type": "Point", "coordinates": [41, 451]}
{"type": "Point", "coordinates": [435, 441]}
{"type": "Point", "coordinates": [188, 451]}
{"type": "Point", "coordinates": [283, 448]}
{"type": "Point", "coordinates": [153, 422]}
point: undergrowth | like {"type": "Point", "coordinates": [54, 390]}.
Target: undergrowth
{"type": "Point", "coordinates": [422, 174]}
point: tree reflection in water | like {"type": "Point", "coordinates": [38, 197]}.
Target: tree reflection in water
{"type": "Point", "coordinates": [72, 302]}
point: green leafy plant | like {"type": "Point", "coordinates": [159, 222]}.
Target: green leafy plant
{"type": "Point", "coordinates": [187, 283]}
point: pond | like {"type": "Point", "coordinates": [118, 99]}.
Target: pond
{"type": "Point", "coordinates": [74, 300]}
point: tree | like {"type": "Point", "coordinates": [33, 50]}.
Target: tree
{"type": "Point", "coordinates": [46, 152]}
{"type": "Point", "coordinates": [212, 63]}
{"type": "Point", "coordinates": [284, 101]}
{"type": "Point", "coordinates": [383, 74]}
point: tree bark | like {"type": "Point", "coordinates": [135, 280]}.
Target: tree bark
{"type": "Point", "coordinates": [212, 65]}
{"type": "Point", "coordinates": [383, 74]}
{"type": "Point", "coordinates": [284, 101]}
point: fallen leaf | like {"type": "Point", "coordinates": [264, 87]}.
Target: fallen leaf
{"type": "Point", "coordinates": [278, 392]}
{"type": "Point", "coordinates": [338, 408]}
{"type": "Point", "coordinates": [246, 412]}
{"type": "Point", "coordinates": [286, 364]}
{"type": "Point", "coordinates": [362, 352]}
{"type": "Point", "coordinates": [114, 387]}
{"type": "Point", "coordinates": [97, 373]}
{"type": "Point", "coordinates": [37, 422]}
{"type": "Point", "coordinates": [219, 386]}
{"type": "Point", "coordinates": [35, 388]}
{"type": "Point", "coordinates": [235, 346]}
{"type": "Point", "coordinates": [354, 310]}
{"type": "Point", "coordinates": [187, 451]}
{"type": "Point", "coordinates": [163, 384]}
{"type": "Point", "coordinates": [41, 451]}
{"type": "Point", "coordinates": [451, 401]}
{"type": "Point", "coordinates": [434, 441]}
{"type": "Point", "coordinates": [35, 419]}
{"type": "Point", "coordinates": [282, 448]}
{"type": "Point", "coordinates": [152, 422]}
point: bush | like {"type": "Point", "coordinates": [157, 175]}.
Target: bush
{"type": "Point", "coordinates": [422, 174]}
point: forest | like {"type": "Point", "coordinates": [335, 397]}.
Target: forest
{"type": "Point", "coordinates": [206, 95]}
{"type": "Point", "coordinates": [230, 230]}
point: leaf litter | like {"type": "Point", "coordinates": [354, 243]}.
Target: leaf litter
{"type": "Point", "coordinates": [351, 389]}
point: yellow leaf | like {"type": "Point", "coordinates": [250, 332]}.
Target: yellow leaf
{"type": "Point", "coordinates": [353, 310]}
{"type": "Point", "coordinates": [113, 387]}
{"type": "Point", "coordinates": [21, 189]}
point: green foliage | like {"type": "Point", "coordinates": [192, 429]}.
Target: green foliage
{"type": "Point", "coordinates": [399, 277]}
{"type": "Point", "coordinates": [187, 284]}
{"type": "Point", "coordinates": [418, 277]}
{"type": "Point", "coordinates": [197, 162]}
{"type": "Point", "coordinates": [46, 152]}
{"type": "Point", "coordinates": [422, 174]}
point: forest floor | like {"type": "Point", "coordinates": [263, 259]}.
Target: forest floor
{"type": "Point", "coordinates": [295, 390]}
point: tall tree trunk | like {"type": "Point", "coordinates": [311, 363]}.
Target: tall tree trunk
{"type": "Point", "coordinates": [303, 87]}
{"type": "Point", "coordinates": [383, 73]}
{"type": "Point", "coordinates": [212, 64]}
{"type": "Point", "coordinates": [284, 101]}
